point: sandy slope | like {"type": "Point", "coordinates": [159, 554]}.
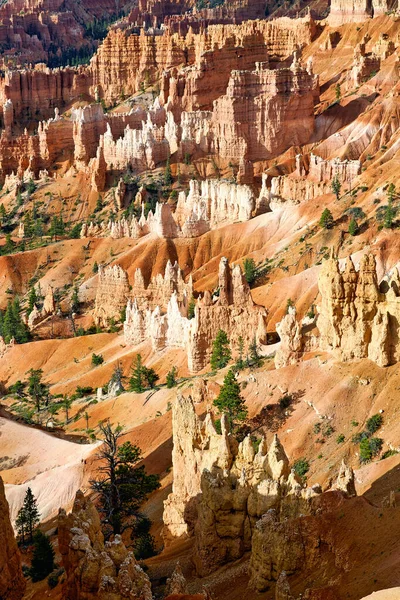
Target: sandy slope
{"type": "Point", "coordinates": [52, 467]}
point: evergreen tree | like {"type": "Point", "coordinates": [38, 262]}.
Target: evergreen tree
{"type": "Point", "coordinates": [28, 225]}
{"type": "Point", "coordinates": [9, 246]}
{"type": "Point", "coordinates": [221, 353]}
{"type": "Point", "coordinates": [3, 214]}
{"type": "Point", "coordinates": [99, 205]}
{"type": "Point", "coordinates": [389, 215]}
{"type": "Point", "coordinates": [338, 92]}
{"type": "Point", "coordinates": [137, 380]}
{"type": "Point", "coordinates": [43, 557]}
{"type": "Point", "coordinates": [150, 376]}
{"type": "Point", "coordinates": [38, 228]}
{"type": "Point", "coordinates": [171, 378]}
{"type": "Point", "coordinates": [32, 299]}
{"type": "Point", "coordinates": [254, 355]}
{"type": "Point", "coordinates": [240, 361]}
{"type": "Point", "coordinates": [28, 516]}
{"type": "Point", "coordinates": [122, 485]}
{"type": "Point", "coordinates": [87, 416]}
{"type": "Point", "coordinates": [95, 268]}
{"type": "Point", "coordinates": [37, 390]}
{"type": "Point", "coordinates": [353, 227]}
{"type": "Point", "coordinates": [75, 233]}
{"type": "Point", "coordinates": [336, 187]}
{"type": "Point", "coordinates": [326, 220]}
{"type": "Point", "coordinates": [230, 400]}
{"type": "Point", "coordinates": [11, 324]}
{"type": "Point", "coordinates": [66, 404]}
{"type": "Point", "coordinates": [250, 270]}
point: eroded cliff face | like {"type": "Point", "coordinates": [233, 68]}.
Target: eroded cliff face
{"type": "Point", "coordinates": [96, 569]}
{"type": "Point", "coordinates": [233, 498]}
{"type": "Point", "coordinates": [359, 318]}
{"type": "Point", "coordinates": [232, 311]}
{"type": "Point", "coordinates": [12, 582]}
{"type": "Point", "coordinates": [112, 294]}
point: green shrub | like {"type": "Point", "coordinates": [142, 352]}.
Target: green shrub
{"type": "Point", "coordinates": [374, 423]}
{"type": "Point", "coordinates": [340, 438]}
{"type": "Point", "coordinates": [369, 447]}
{"type": "Point", "coordinates": [97, 359]}
{"type": "Point", "coordinates": [301, 467]}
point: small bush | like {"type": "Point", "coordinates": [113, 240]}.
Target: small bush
{"type": "Point", "coordinates": [389, 453]}
{"type": "Point", "coordinates": [340, 438]}
{"type": "Point", "coordinates": [369, 448]}
{"type": "Point", "coordinates": [301, 467]}
{"type": "Point", "coordinates": [97, 359]}
{"type": "Point", "coordinates": [374, 423]}
{"type": "Point", "coordinates": [317, 428]}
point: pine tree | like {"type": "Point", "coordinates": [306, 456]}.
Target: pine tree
{"type": "Point", "coordinates": [240, 361]}
{"type": "Point", "coordinates": [353, 227]}
{"type": "Point", "coordinates": [250, 270]}
{"type": "Point", "coordinates": [336, 187]}
{"type": "Point", "coordinates": [326, 220]}
{"type": "Point", "coordinates": [137, 380]}
{"type": "Point", "coordinates": [122, 485]}
{"type": "Point", "coordinates": [9, 246]}
{"type": "Point", "coordinates": [66, 404]}
{"type": "Point", "coordinates": [150, 376]}
{"type": "Point", "coordinates": [254, 355]}
{"type": "Point", "coordinates": [221, 353]}
{"type": "Point", "coordinates": [338, 92]}
{"type": "Point", "coordinates": [43, 557]}
{"type": "Point", "coordinates": [230, 400]}
{"type": "Point", "coordinates": [86, 415]}
{"type": "Point", "coordinates": [171, 378]}
{"type": "Point", "coordinates": [37, 390]}
{"type": "Point", "coordinates": [28, 516]}
{"type": "Point", "coordinates": [28, 225]}
{"type": "Point", "coordinates": [9, 324]}
{"type": "Point", "coordinates": [21, 331]}
{"type": "Point", "coordinates": [32, 299]}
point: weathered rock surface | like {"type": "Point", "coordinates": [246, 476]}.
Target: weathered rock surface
{"type": "Point", "coordinates": [112, 294]}
{"type": "Point", "coordinates": [221, 488]}
{"type": "Point", "coordinates": [233, 311]}
{"type": "Point", "coordinates": [12, 582]}
{"type": "Point", "coordinates": [358, 318]}
{"type": "Point", "coordinates": [96, 569]}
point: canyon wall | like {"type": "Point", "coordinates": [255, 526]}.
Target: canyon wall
{"type": "Point", "coordinates": [12, 582]}
{"type": "Point", "coordinates": [96, 569]}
